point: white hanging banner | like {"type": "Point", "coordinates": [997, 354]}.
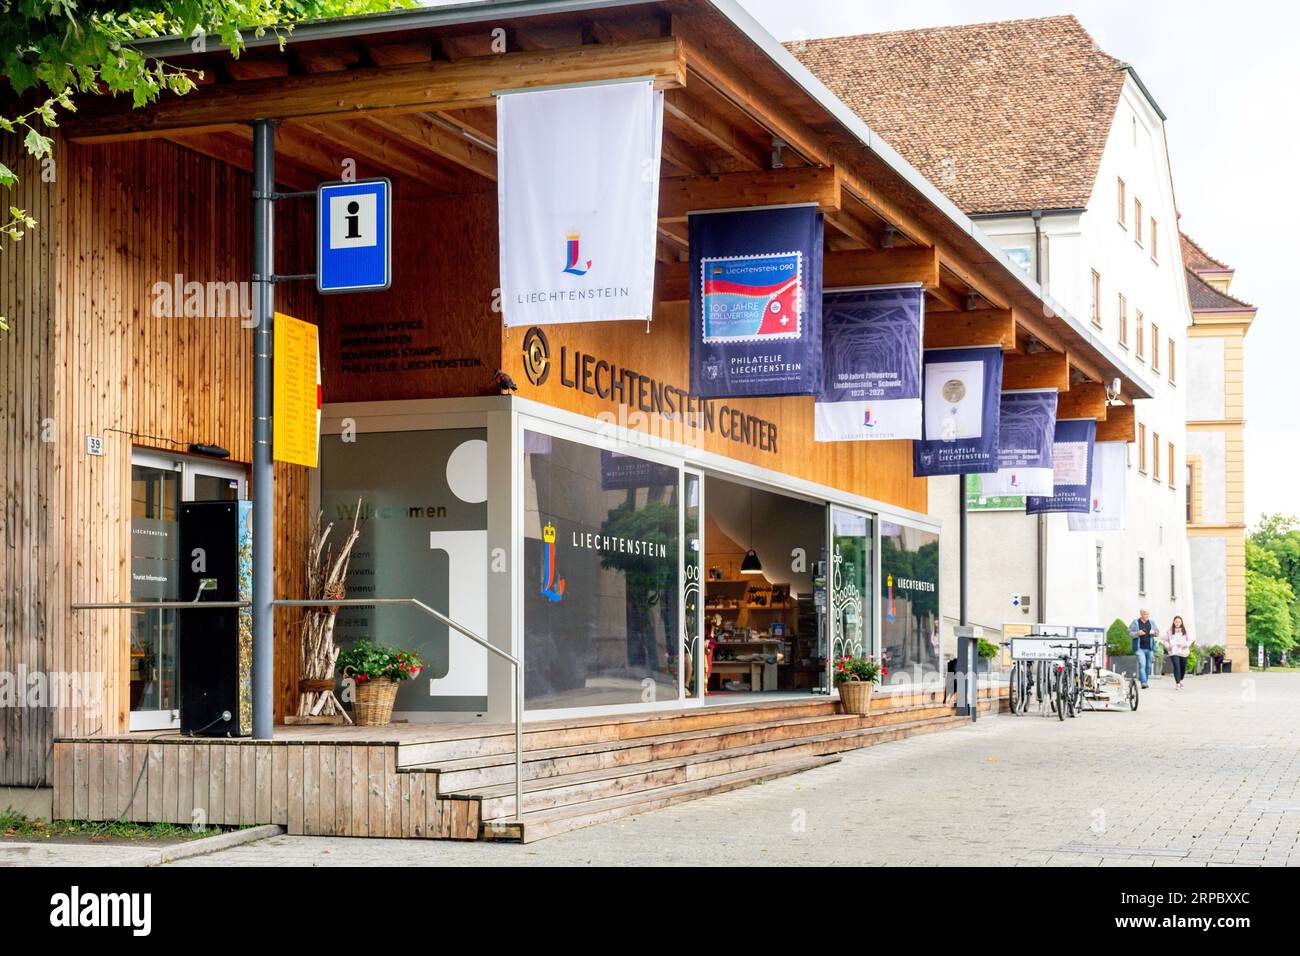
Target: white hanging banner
{"type": "Point", "coordinates": [578, 199]}
{"type": "Point", "coordinates": [1107, 498]}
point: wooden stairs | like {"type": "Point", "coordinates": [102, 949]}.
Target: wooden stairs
{"type": "Point", "coordinates": [587, 771]}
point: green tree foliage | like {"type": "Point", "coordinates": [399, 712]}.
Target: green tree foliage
{"type": "Point", "coordinates": [55, 51]}
{"type": "Point", "coordinates": [1272, 584]}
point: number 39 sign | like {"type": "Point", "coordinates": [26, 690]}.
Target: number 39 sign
{"type": "Point", "coordinates": [353, 228]}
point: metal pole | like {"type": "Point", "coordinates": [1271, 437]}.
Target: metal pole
{"type": "Point", "coordinates": [519, 744]}
{"type": "Point", "coordinates": [1040, 576]}
{"type": "Point", "coordinates": [263, 471]}
{"type": "Point", "coordinates": [964, 616]}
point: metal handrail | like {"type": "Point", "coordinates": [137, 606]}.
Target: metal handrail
{"type": "Point", "coordinates": [466, 632]}
{"type": "Point", "coordinates": [362, 602]}
{"type": "Point", "coordinates": [162, 605]}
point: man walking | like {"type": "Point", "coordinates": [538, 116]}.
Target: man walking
{"type": "Point", "coordinates": [1145, 633]}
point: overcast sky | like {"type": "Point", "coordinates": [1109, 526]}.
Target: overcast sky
{"type": "Point", "coordinates": [1228, 78]}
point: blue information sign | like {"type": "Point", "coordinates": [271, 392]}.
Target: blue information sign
{"type": "Point", "coordinates": [353, 228]}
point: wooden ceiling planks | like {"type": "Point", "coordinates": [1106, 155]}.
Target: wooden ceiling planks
{"type": "Point", "coordinates": [726, 107]}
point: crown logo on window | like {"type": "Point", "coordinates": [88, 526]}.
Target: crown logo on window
{"type": "Point", "coordinates": [548, 533]}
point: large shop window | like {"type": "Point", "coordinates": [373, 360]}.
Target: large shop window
{"type": "Point", "coordinates": [423, 501]}
{"type": "Point", "coordinates": [909, 572]}
{"type": "Point", "coordinates": [601, 569]}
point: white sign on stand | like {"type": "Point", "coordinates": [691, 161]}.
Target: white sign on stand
{"type": "Point", "coordinates": [1038, 648]}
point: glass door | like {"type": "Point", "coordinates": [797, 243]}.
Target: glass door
{"type": "Point", "coordinates": [159, 483]}
{"type": "Point", "coordinates": [694, 677]}
{"type": "Point", "coordinates": [851, 591]}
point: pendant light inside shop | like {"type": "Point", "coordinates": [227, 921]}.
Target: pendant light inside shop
{"type": "Point", "coordinates": [751, 564]}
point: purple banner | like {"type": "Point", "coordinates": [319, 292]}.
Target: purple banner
{"type": "Point", "coordinates": [871, 365]}
{"type": "Point", "coordinates": [1071, 469]}
{"type": "Point", "coordinates": [1025, 435]}
{"type": "Point", "coordinates": [961, 390]}
{"type": "Point", "coordinates": [756, 302]}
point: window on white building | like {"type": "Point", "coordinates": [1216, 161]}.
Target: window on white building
{"type": "Point", "coordinates": [1096, 298]}
{"type": "Point", "coordinates": [1100, 579]}
{"type": "Point", "coordinates": [1142, 575]}
{"type": "Point", "coordinates": [1122, 204]}
{"type": "Point", "coordinates": [1173, 582]}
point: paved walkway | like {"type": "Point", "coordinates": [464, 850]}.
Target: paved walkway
{"type": "Point", "coordinates": [1209, 776]}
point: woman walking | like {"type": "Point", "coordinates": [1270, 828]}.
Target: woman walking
{"type": "Point", "coordinates": [1179, 643]}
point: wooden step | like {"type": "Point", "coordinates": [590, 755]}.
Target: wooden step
{"type": "Point", "coordinates": [564, 789]}
{"type": "Point", "coordinates": [544, 823]}
{"type": "Point", "coordinates": [477, 771]}
{"type": "Point", "coordinates": [546, 735]}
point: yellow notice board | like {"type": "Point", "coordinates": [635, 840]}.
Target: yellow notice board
{"type": "Point", "coordinates": [1008, 632]}
{"type": "Point", "coordinates": [296, 397]}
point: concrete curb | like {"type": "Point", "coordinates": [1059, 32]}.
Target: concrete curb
{"type": "Point", "coordinates": [213, 844]}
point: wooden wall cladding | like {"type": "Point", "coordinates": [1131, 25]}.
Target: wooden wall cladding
{"type": "Point", "coordinates": [434, 333]}
{"type": "Point", "coordinates": [32, 554]}
{"type": "Point", "coordinates": [95, 352]}
{"type": "Point", "coordinates": [880, 470]}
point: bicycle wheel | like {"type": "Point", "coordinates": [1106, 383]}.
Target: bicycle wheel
{"type": "Point", "coordinates": [1133, 694]}
{"type": "Point", "coordinates": [1058, 694]}
{"type": "Point", "coordinates": [1072, 691]}
{"type": "Point", "coordinates": [1016, 690]}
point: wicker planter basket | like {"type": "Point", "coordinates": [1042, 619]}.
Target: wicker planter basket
{"type": "Point", "coordinates": [855, 696]}
{"type": "Point", "coordinates": [373, 704]}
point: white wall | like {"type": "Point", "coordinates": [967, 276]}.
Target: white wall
{"type": "Point", "coordinates": [1003, 545]}
{"type": "Point", "coordinates": [1205, 366]}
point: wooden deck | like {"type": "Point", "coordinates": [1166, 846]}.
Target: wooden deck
{"type": "Point", "coordinates": [455, 781]}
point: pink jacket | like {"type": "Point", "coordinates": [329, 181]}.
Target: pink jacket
{"type": "Point", "coordinates": [1179, 644]}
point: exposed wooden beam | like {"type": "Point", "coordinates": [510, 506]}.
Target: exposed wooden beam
{"type": "Point", "coordinates": [707, 124]}
{"type": "Point", "coordinates": [432, 135]}
{"type": "Point", "coordinates": [771, 187]}
{"type": "Point", "coordinates": [364, 140]}
{"type": "Point", "coordinates": [236, 149]}
{"type": "Point", "coordinates": [946, 330]}
{"type": "Point", "coordinates": [1040, 370]}
{"type": "Point", "coordinates": [260, 68]}
{"type": "Point", "coordinates": [881, 267]}
{"type": "Point", "coordinates": [412, 88]}
{"type": "Point", "coordinates": [1120, 424]}
{"type": "Point", "coordinates": [399, 54]}
{"type": "Point", "coordinates": [947, 298]}
{"type": "Point", "coordinates": [1084, 400]}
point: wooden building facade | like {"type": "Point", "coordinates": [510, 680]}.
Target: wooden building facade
{"type": "Point", "coordinates": [112, 341]}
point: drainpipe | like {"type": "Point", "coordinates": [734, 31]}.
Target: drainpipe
{"type": "Point", "coordinates": [1041, 569]}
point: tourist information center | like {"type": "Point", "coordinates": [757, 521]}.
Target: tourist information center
{"type": "Point", "coordinates": [634, 544]}
{"type": "Point", "coordinates": [643, 548]}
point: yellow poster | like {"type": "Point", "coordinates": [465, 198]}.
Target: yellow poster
{"type": "Point", "coordinates": [1008, 632]}
{"type": "Point", "coordinates": [296, 392]}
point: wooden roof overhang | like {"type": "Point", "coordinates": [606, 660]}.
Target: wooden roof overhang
{"type": "Point", "coordinates": [410, 95]}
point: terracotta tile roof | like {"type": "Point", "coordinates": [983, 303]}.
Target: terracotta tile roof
{"type": "Point", "coordinates": [1197, 259]}
{"type": "Point", "coordinates": [1000, 116]}
{"type": "Point", "coordinates": [1205, 297]}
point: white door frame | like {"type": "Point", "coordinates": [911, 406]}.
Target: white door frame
{"type": "Point", "coordinates": [188, 467]}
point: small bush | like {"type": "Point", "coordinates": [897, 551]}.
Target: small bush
{"type": "Point", "coordinates": [1118, 642]}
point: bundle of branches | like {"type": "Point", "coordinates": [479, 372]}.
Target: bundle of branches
{"type": "Point", "coordinates": [327, 569]}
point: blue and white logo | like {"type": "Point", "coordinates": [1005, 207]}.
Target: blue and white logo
{"type": "Point", "coordinates": [353, 228]}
